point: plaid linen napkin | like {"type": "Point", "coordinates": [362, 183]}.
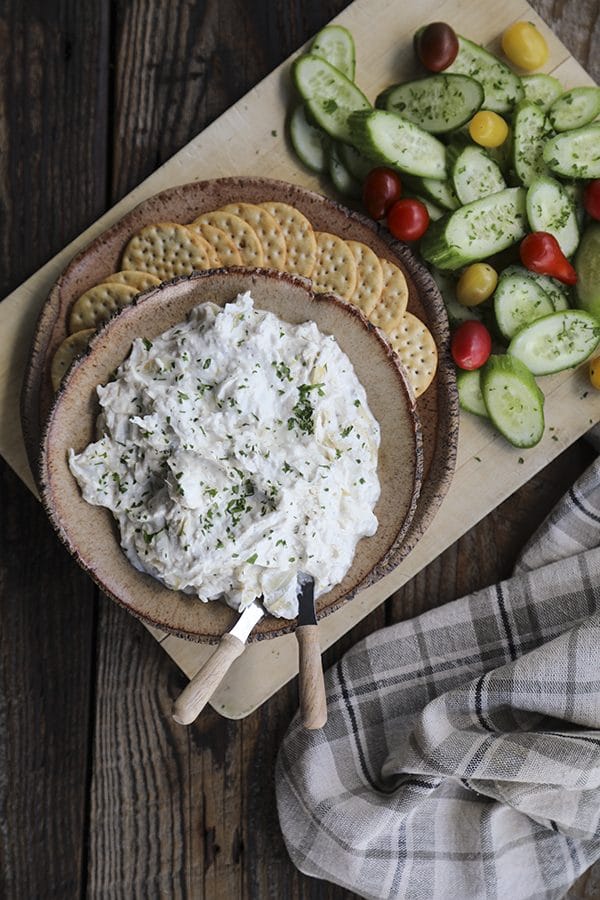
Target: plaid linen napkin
{"type": "Point", "coordinates": [461, 758]}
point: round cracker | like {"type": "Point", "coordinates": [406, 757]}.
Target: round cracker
{"type": "Point", "coordinates": [267, 231]}
{"type": "Point", "coordinates": [243, 235]}
{"type": "Point", "coordinates": [167, 250]}
{"type": "Point", "coordinates": [98, 304]}
{"type": "Point", "coordinates": [69, 350]}
{"type": "Point", "coordinates": [369, 277]}
{"type": "Point", "coordinates": [391, 306]}
{"type": "Point", "coordinates": [299, 237]}
{"type": "Point", "coordinates": [226, 251]}
{"type": "Point", "coordinates": [140, 280]}
{"type": "Point", "coordinates": [413, 343]}
{"type": "Point", "coordinates": [335, 268]}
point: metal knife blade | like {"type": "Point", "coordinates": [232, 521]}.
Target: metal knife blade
{"type": "Point", "coordinates": [248, 619]}
{"type": "Point", "coordinates": [306, 600]}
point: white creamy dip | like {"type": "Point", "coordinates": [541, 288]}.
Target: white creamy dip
{"type": "Point", "coordinates": [237, 451]}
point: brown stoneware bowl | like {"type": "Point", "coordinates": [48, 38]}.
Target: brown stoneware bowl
{"type": "Point", "coordinates": [90, 532]}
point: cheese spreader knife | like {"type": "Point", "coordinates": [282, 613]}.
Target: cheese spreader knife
{"type": "Point", "coordinates": [313, 704]}
{"type": "Point", "coordinates": [195, 696]}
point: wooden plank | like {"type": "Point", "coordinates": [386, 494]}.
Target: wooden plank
{"type": "Point", "coordinates": [54, 74]}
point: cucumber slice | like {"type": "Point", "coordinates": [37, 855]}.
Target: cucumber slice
{"type": "Point", "coordinates": [397, 142]}
{"type": "Point", "coordinates": [530, 132]}
{"type": "Point", "coordinates": [438, 104]}
{"type": "Point", "coordinates": [576, 108]}
{"type": "Point", "coordinates": [435, 212]}
{"type": "Point", "coordinates": [475, 175]}
{"type": "Point", "coordinates": [541, 89]}
{"type": "Point", "coordinates": [518, 300]}
{"type": "Point", "coordinates": [311, 145]}
{"type": "Point", "coordinates": [477, 230]}
{"type": "Point", "coordinates": [329, 96]}
{"type": "Point", "coordinates": [358, 165]}
{"type": "Point", "coordinates": [440, 192]}
{"type": "Point", "coordinates": [470, 397]}
{"type": "Point", "coordinates": [549, 208]}
{"type": "Point", "coordinates": [502, 88]}
{"type": "Point", "coordinates": [556, 291]}
{"type": "Point", "coordinates": [335, 44]}
{"type": "Point", "coordinates": [559, 341]}
{"type": "Point", "coordinates": [514, 402]}
{"type": "Point", "coordinates": [575, 154]}
{"type": "Point", "coordinates": [587, 265]}
{"type": "Point", "coordinates": [342, 179]}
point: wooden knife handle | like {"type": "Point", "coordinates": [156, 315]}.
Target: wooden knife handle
{"type": "Point", "coordinates": [196, 695]}
{"type": "Point", "coordinates": [313, 705]}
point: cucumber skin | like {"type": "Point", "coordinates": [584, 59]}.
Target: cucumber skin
{"type": "Point", "coordinates": [438, 251]}
{"type": "Point", "coordinates": [512, 368]}
{"type": "Point", "coordinates": [587, 288]}
{"type": "Point", "coordinates": [431, 163]}
{"type": "Point", "coordinates": [339, 130]}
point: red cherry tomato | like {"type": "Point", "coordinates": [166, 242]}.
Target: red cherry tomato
{"type": "Point", "coordinates": [471, 345]}
{"type": "Point", "coordinates": [436, 46]}
{"type": "Point", "coordinates": [591, 198]}
{"type": "Point", "coordinates": [540, 252]}
{"type": "Point", "coordinates": [381, 189]}
{"type": "Point", "coordinates": [408, 219]}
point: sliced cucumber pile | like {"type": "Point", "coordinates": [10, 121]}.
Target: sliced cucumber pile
{"type": "Point", "coordinates": [481, 201]}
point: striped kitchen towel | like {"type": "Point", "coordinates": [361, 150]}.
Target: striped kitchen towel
{"type": "Point", "coordinates": [461, 758]}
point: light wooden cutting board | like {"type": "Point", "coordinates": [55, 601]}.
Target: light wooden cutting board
{"type": "Point", "coordinates": [249, 139]}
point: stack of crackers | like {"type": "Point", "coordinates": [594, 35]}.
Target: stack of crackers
{"type": "Point", "coordinates": [273, 235]}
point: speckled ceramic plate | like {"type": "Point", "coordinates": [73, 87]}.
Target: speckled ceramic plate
{"type": "Point", "coordinates": [437, 408]}
{"type": "Point", "coordinates": [89, 532]}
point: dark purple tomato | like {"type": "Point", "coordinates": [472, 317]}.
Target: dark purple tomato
{"type": "Point", "coordinates": [436, 45]}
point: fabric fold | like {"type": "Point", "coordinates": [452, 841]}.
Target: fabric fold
{"type": "Point", "coordinates": [462, 752]}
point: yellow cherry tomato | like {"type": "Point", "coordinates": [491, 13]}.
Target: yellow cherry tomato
{"type": "Point", "coordinates": [488, 128]}
{"type": "Point", "coordinates": [595, 373]}
{"type": "Point", "coordinates": [525, 46]}
{"type": "Point", "coordinates": [476, 284]}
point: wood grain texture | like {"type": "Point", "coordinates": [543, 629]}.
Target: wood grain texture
{"type": "Point", "coordinates": [101, 794]}
{"type": "Point", "coordinates": [53, 116]}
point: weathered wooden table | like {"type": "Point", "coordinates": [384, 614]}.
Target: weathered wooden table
{"type": "Point", "coordinates": [101, 794]}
